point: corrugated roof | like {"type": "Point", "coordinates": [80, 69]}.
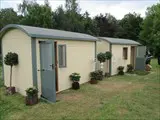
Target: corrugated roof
{"type": "Point", "coordinates": [49, 33]}
{"type": "Point", "coordinates": [119, 41]}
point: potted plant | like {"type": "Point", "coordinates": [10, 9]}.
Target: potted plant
{"type": "Point", "coordinates": [99, 75]}
{"type": "Point", "coordinates": [129, 68]}
{"type": "Point", "coordinates": [11, 59]}
{"type": "Point", "coordinates": [75, 77]}
{"type": "Point", "coordinates": [101, 57]}
{"type": "Point", "coordinates": [108, 55]}
{"type": "Point", "coordinates": [93, 76]}
{"type": "Point", "coordinates": [32, 96]}
{"type": "Point", "coordinates": [120, 70]}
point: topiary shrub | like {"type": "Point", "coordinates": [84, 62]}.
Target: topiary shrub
{"type": "Point", "coordinates": [96, 75]}
{"type": "Point", "coordinates": [129, 68]}
{"type": "Point", "coordinates": [99, 74]}
{"type": "Point", "coordinates": [101, 57]}
{"type": "Point", "coordinates": [11, 59]}
{"type": "Point", "coordinates": [108, 55]}
{"type": "Point", "coordinates": [120, 70]}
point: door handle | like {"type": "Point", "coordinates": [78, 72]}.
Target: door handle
{"type": "Point", "coordinates": [41, 70]}
{"type": "Point", "coordinates": [53, 66]}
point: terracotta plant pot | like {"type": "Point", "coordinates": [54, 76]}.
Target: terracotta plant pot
{"type": "Point", "coordinates": [11, 90]}
{"type": "Point", "coordinates": [31, 99]}
{"type": "Point", "coordinates": [148, 67]}
{"type": "Point", "coordinates": [93, 81]}
{"type": "Point", "coordinates": [75, 85]}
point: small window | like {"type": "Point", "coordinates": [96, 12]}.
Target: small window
{"type": "Point", "coordinates": [62, 55]}
{"type": "Point", "coordinates": [125, 53]}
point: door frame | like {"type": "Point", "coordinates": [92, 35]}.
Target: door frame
{"type": "Point", "coordinates": [54, 61]}
{"type": "Point", "coordinates": [133, 56]}
{"type": "Point", "coordinates": [56, 66]}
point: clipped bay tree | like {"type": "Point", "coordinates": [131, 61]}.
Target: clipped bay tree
{"type": "Point", "coordinates": [11, 59]}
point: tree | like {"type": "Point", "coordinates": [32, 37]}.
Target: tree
{"type": "Point", "coordinates": [150, 34]}
{"type": "Point", "coordinates": [11, 59]}
{"type": "Point", "coordinates": [72, 6]}
{"type": "Point", "coordinates": [130, 26]}
{"type": "Point", "coordinates": [101, 57]}
{"type": "Point", "coordinates": [70, 19]}
{"type": "Point", "coordinates": [37, 15]}
{"type": "Point", "coordinates": [8, 16]}
{"type": "Point", "coordinates": [90, 25]}
{"type": "Point", "coordinates": [107, 25]}
{"type": "Point", "coordinates": [59, 18]}
{"type": "Point", "coordinates": [74, 18]}
{"type": "Point", "coordinates": [22, 8]}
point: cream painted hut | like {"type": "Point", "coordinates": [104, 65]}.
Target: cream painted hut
{"type": "Point", "coordinates": [123, 51]}
{"type": "Point", "coordinates": [47, 57]}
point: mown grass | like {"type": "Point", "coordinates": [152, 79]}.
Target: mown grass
{"type": "Point", "coordinates": [129, 97]}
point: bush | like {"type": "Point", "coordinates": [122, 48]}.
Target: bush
{"type": "Point", "coordinates": [101, 57]}
{"type": "Point", "coordinates": [75, 77]}
{"type": "Point", "coordinates": [129, 68]}
{"type": "Point", "coordinates": [120, 70]}
{"type": "Point", "coordinates": [31, 91]}
{"type": "Point", "coordinates": [108, 55]}
{"type": "Point", "coordinates": [96, 75]}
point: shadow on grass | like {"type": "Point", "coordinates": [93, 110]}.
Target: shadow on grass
{"type": "Point", "coordinates": [139, 72]}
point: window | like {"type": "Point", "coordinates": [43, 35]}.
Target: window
{"type": "Point", "coordinates": [125, 53]}
{"type": "Point", "coordinates": [62, 55]}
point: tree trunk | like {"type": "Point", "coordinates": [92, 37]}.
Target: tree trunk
{"type": "Point", "coordinates": [11, 76]}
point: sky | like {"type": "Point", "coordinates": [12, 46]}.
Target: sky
{"type": "Point", "coordinates": [117, 8]}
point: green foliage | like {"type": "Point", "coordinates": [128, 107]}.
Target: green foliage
{"type": "Point", "coordinates": [108, 55]}
{"type": "Point", "coordinates": [96, 75]}
{"type": "Point", "coordinates": [31, 91]}
{"type": "Point", "coordinates": [8, 16]}
{"type": "Point", "coordinates": [108, 25]}
{"type": "Point", "coordinates": [150, 34]}
{"type": "Point", "coordinates": [101, 57]}
{"type": "Point", "coordinates": [70, 19]}
{"type": "Point", "coordinates": [37, 15]}
{"type": "Point", "coordinates": [130, 26]}
{"type": "Point", "coordinates": [75, 77]}
{"type": "Point", "coordinates": [11, 59]}
{"type": "Point", "coordinates": [129, 68]}
{"type": "Point", "coordinates": [120, 70]}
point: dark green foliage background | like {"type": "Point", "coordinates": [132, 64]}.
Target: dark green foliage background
{"type": "Point", "coordinates": [131, 26]}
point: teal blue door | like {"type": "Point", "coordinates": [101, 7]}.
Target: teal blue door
{"type": "Point", "coordinates": [140, 58]}
{"type": "Point", "coordinates": [47, 60]}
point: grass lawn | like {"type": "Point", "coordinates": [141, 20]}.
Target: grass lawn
{"type": "Point", "coordinates": [120, 97]}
